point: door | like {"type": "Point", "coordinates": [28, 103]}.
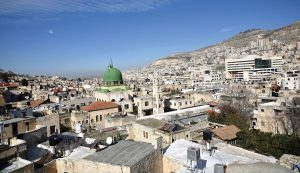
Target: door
{"type": "Point", "coordinates": [15, 129]}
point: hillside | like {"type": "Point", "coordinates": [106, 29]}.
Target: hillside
{"type": "Point", "coordinates": [277, 42]}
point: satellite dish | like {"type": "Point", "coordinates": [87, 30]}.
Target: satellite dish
{"type": "Point", "coordinates": [109, 140]}
{"type": "Point", "coordinates": [81, 135]}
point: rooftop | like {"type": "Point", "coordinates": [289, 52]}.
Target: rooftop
{"type": "Point", "coordinates": [225, 154]}
{"type": "Point", "coordinates": [99, 106]}
{"type": "Point", "coordinates": [171, 128]}
{"type": "Point", "coordinates": [80, 153]}
{"type": "Point", "coordinates": [14, 120]}
{"type": "Point", "coordinates": [15, 166]}
{"type": "Point", "coordinates": [36, 103]}
{"type": "Point", "coordinates": [270, 104]}
{"type": "Point", "coordinates": [151, 122]}
{"type": "Point", "coordinates": [125, 153]}
{"type": "Point", "coordinates": [226, 132]}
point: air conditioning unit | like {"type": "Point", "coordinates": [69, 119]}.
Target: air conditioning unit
{"type": "Point", "coordinates": [219, 168]}
{"type": "Point", "coordinates": [193, 154]}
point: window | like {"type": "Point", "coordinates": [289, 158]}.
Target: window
{"type": "Point", "coordinates": [186, 103]}
{"type": "Point", "coordinates": [27, 126]}
{"type": "Point", "coordinates": [67, 121]}
{"type": "Point", "coordinates": [145, 134]}
{"type": "Point", "coordinates": [97, 118]}
{"type": "Point", "coordinates": [126, 106]}
{"type": "Point", "coordinates": [92, 120]}
{"type": "Point", "coordinates": [180, 104]}
{"type": "Point", "coordinates": [190, 102]}
{"type": "Point", "coordinates": [262, 110]}
{"type": "Point", "coordinates": [86, 121]}
{"type": "Point", "coordinates": [146, 103]}
{"type": "Point", "coordinates": [52, 129]}
{"type": "Point", "coordinates": [100, 117]}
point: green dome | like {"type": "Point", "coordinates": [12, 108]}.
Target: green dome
{"type": "Point", "coordinates": [112, 75]}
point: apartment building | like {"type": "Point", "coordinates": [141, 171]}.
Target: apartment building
{"type": "Point", "coordinates": [252, 68]}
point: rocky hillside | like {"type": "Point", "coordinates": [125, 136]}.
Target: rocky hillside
{"type": "Point", "coordinates": [284, 41]}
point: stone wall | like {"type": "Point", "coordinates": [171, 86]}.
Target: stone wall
{"type": "Point", "coordinates": [287, 160]}
{"type": "Point", "coordinates": [48, 121]}
{"type": "Point", "coordinates": [152, 163]}
{"type": "Point", "coordinates": [170, 165]}
{"type": "Point", "coordinates": [21, 127]}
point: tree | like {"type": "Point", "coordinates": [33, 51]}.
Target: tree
{"type": "Point", "coordinates": [231, 116]}
{"type": "Point", "coordinates": [5, 77]}
{"type": "Point", "coordinates": [24, 82]}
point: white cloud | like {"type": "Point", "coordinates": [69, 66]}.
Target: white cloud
{"type": "Point", "coordinates": [29, 7]}
{"type": "Point", "coordinates": [50, 31]}
{"type": "Point", "coordinates": [226, 29]}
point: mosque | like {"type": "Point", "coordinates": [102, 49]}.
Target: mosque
{"type": "Point", "coordinates": [113, 89]}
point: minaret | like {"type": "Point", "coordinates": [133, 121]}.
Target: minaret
{"type": "Point", "coordinates": [158, 106]}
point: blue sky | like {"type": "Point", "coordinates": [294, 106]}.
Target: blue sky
{"type": "Point", "coordinates": [78, 38]}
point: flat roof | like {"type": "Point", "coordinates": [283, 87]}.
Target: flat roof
{"type": "Point", "coordinates": [151, 122]}
{"type": "Point", "coordinates": [125, 153]}
{"type": "Point", "coordinates": [14, 166]}
{"type": "Point", "coordinates": [15, 120]}
{"type": "Point", "coordinates": [270, 104]}
{"type": "Point", "coordinates": [80, 153]}
{"type": "Point", "coordinates": [225, 154]}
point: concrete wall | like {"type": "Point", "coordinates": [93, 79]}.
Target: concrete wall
{"type": "Point", "coordinates": [35, 136]}
{"type": "Point", "coordinates": [89, 118]}
{"type": "Point", "coordinates": [150, 164]}
{"type": "Point", "coordinates": [171, 165]}
{"type": "Point", "coordinates": [270, 121]}
{"type": "Point", "coordinates": [26, 169]}
{"type": "Point", "coordinates": [48, 121]}
{"type": "Point", "coordinates": [143, 133]}
{"type": "Point", "coordinates": [21, 127]}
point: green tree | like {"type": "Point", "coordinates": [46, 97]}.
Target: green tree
{"type": "Point", "coordinates": [5, 77]}
{"type": "Point", "coordinates": [24, 82]}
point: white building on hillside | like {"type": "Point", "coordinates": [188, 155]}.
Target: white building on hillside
{"type": "Point", "coordinates": [252, 68]}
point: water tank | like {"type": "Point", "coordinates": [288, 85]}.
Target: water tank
{"type": "Point", "coordinates": [1, 127]}
{"type": "Point", "coordinates": [193, 154]}
{"type": "Point", "coordinates": [54, 140]}
{"type": "Point", "coordinates": [219, 168]}
{"type": "Point", "coordinates": [207, 135]}
{"type": "Point", "coordinates": [78, 128]}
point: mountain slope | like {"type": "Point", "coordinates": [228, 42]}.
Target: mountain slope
{"type": "Point", "coordinates": [252, 41]}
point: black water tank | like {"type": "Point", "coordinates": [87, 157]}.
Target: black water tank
{"type": "Point", "coordinates": [207, 135]}
{"type": "Point", "coordinates": [54, 140]}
